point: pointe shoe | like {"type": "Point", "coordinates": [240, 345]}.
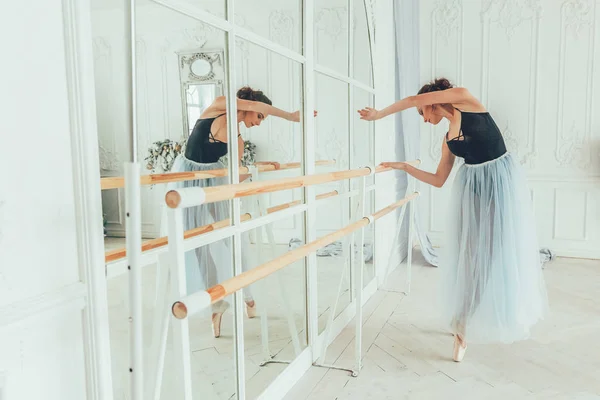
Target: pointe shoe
{"type": "Point", "coordinates": [251, 310]}
{"type": "Point", "coordinates": [459, 349]}
{"type": "Point", "coordinates": [216, 320]}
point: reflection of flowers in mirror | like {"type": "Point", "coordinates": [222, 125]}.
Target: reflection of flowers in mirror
{"type": "Point", "coordinates": [163, 154]}
{"type": "Point", "coordinates": [249, 156]}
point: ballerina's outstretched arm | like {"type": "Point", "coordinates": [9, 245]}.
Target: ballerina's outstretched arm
{"type": "Point", "coordinates": [441, 175]}
{"type": "Point", "coordinates": [219, 106]}
{"type": "Point", "coordinates": [458, 97]}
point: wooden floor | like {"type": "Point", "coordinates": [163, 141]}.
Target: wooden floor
{"type": "Point", "coordinates": [407, 356]}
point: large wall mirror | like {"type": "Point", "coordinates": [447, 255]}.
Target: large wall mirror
{"type": "Point", "coordinates": [182, 67]}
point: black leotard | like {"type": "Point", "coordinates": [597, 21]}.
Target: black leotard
{"type": "Point", "coordinates": [479, 139]}
{"type": "Point", "coordinates": [201, 146]}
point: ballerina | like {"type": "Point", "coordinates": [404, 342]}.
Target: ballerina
{"type": "Point", "coordinates": [493, 288]}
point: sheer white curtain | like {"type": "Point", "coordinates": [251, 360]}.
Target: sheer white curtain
{"type": "Point", "coordinates": [408, 82]}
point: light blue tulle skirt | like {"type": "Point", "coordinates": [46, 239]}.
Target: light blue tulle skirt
{"type": "Point", "coordinates": [208, 265]}
{"type": "Point", "coordinates": [493, 288]}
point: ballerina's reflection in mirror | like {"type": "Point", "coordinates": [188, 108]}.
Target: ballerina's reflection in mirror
{"type": "Point", "coordinates": [211, 264]}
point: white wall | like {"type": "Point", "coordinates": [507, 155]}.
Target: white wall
{"type": "Point", "coordinates": [534, 66]}
{"type": "Point", "coordinates": [41, 296]}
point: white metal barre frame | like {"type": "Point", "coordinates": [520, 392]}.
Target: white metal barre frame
{"type": "Point", "coordinates": [165, 295]}
{"type": "Point", "coordinates": [133, 224]}
{"type": "Point", "coordinates": [176, 245]}
{"type": "Point", "coordinates": [193, 303]}
{"type": "Point", "coordinates": [134, 243]}
{"type": "Point", "coordinates": [198, 301]}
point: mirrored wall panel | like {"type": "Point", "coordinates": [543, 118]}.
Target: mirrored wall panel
{"type": "Point", "coordinates": [182, 87]}
{"type": "Point", "coordinates": [272, 135]}
{"type": "Point", "coordinates": [279, 21]}
{"type": "Point", "coordinates": [362, 62]}
{"type": "Point", "coordinates": [332, 142]}
{"type": "Point", "coordinates": [331, 35]}
{"type": "Point", "coordinates": [275, 321]}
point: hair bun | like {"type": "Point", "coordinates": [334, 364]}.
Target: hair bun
{"type": "Point", "coordinates": [247, 93]}
{"type": "Point", "coordinates": [442, 84]}
{"type": "Point", "coordinates": [436, 85]}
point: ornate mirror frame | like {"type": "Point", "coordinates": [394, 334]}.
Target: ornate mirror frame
{"type": "Point", "coordinates": [213, 66]}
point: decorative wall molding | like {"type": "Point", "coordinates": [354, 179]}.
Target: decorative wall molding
{"type": "Point", "coordinates": [435, 148]}
{"type": "Point", "coordinates": [240, 20]}
{"type": "Point", "coordinates": [330, 147]}
{"type": "Point", "coordinates": [103, 62]}
{"type": "Point", "coordinates": [281, 27]}
{"type": "Point", "coordinates": [281, 31]}
{"type": "Point", "coordinates": [101, 48]}
{"type": "Point", "coordinates": [446, 17]}
{"type": "Point", "coordinates": [578, 14]}
{"type": "Point", "coordinates": [446, 21]}
{"type": "Point", "coordinates": [332, 22]}
{"type": "Point", "coordinates": [145, 126]}
{"type": "Point", "coordinates": [573, 143]}
{"type": "Point", "coordinates": [508, 15]}
{"type": "Point", "coordinates": [244, 48]}
{"type": "Point", "coordinates": [564, 158]}
{"type": "Point", "coordinates": [199, 35]}
{"type": "Point", "coordinates": [556, 235]}
{"type": "Point", "coordinates": [511, 141]}
{"type": "Point", "coordinates": [109, 120]}
{"type": "Point", "coordinates": [573, 148]}
{"type": "Point", "coordinates": [109, 160]}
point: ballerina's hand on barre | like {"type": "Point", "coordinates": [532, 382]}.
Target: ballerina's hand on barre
{"type": "Point", "coordinates": [395, 165]}
{"type": "Point", "coordinates": [437, 179]}
{"type": "Point", "coordinates": [243, 177]}
{"type": "Point", "coordinates": [276, 165]}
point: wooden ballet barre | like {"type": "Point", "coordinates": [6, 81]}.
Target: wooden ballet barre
{"type": "Point", "coordinates": [154, 179]}
{"type": "Point", "coordinates": [196, 302]}
{"type": "Point", "coordinates": [118, 254]}
{"type": "Point", "coordinates": [193, 196]}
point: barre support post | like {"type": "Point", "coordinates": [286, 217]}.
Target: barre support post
{"type": "Point", "coordinates": [180, 328]}
{"type": "Point", "coordinates": [133, 240]}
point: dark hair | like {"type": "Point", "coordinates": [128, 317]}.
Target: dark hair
{"type": "Point", "coordinates": [247, 93]}
{"type": "Point", "coordinates": [436, 85]}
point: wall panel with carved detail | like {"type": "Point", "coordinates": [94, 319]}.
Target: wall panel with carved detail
{"type": "Point", "coordinates": [540, 84]}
